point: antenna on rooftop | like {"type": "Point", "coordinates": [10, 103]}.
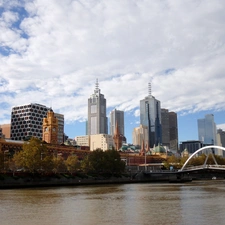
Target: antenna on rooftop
{"type": "Point", "coordinates": [149, 89]}
{"type": "Point", "coordinates": [96, 84]}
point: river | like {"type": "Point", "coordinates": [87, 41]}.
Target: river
{"type": "Point", "coordinates": [195, 203]}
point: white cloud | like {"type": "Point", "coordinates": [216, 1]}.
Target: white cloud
{"type": "Point", "coordinates": [178, 45]}
{"type": "Point", "coordinates": [221, 126]}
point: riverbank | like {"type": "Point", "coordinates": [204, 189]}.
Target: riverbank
{"type": "Point", "coordinates": [29, 180]}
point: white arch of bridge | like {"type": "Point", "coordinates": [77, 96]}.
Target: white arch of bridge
{"type": "Point", "coordinates": [199, 150]}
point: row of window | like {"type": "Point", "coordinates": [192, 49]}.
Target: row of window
{"type": "Point", "coordinates": [21, 116]}
{"type": "Point", "coordinates": [36, 128]}
{"type": "Point", "coordinates": [21, 135]}
{"type": "Point", "coordinates": [30, 106]}
{"type": "Point", "coordinates": [27, 118]}
{"type": "Point", "coordinates": [26, 122]}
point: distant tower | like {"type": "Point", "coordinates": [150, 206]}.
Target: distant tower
{"type": "Point", "coordinates": [50, 128]}
{"type": "Point", "coordinates": [97, 120]}
{"type": "Point", "coordinates": [116, 116]}
{"type": "Point", "coordinates": [60, 118]}
{"type": "Point", "coordinates": [165, 127]}
{"type": "Point", "coordinates": [207, 130]}
{"type": "Point", "coordinates": [173, 130]}
{"type": "Point", "coordinates": [150, 116]}
{"type": "Point", "coordinates": [118, 138]}
{"type": "Point", "coordinates": [169, 129]}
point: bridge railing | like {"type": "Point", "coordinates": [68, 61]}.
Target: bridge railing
{"type": "Point", "coordinates": [203, 167]}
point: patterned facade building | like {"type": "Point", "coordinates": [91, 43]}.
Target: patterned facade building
{"type": "Point", "coordinates": [26, 121]}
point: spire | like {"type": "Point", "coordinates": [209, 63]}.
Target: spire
{"type": "Point", "coordinates": [149, 89]}
{"type": "Point", "coordinates": [96, 85]}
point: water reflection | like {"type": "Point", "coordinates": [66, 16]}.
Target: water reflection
{"type": "Point", "coordinates": [192, 203]}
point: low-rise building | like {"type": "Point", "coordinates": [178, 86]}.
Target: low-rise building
{"type": "Point", "coordinates": [5, 130]}
{"type": "Point", "coordinates": [96, 141]}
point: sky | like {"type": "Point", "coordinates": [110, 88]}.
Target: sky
{"type": "Point", "coordinates": [52, 52]}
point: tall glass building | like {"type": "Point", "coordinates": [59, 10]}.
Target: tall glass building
{"type": "Point", "coordinates": [150, 116]}
{"type": "Point", "coordinates": [97, 120]}
{"type": "Point", "coordinates": [207, 130]}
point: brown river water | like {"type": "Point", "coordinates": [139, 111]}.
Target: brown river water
{"type": "Point", "coordinates": [194, 203]}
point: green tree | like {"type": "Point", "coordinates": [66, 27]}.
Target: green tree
{"type": "Point", "coordinates": [172, 161]}
{"type": "Point", "coordinates": [94, 161]}
{"type": "Point", "coordinates": [59, 164]}
{"type": "Point", "coordinates": [103, 162]}
{"type": "Point", "coordinates": [34, 156]}
{"type": "Point", "coordinates": [113, 163]}
{"type": "Point", "coordinates": [72, 163]}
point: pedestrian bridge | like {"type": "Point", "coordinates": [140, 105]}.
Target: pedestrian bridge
{"type": "Point", "coordinates": [210, 151]}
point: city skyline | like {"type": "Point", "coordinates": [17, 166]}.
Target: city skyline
{"type": "Point", "coordinates": [51, 53]}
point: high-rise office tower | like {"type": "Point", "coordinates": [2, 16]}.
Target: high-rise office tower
{"type": "Point", "coordinates": [221, 140]}
{"type": "Point", "coordinates": [150, 116]}
{"type": "Point", "coordinates": [60, 118]}
{"type": "Point", "coordinates": [169, 129]}
{"type": "Point", "coordinates": [165, 127]}
{"type": "Point", "coordinates": [26, 120]}
{"type": "Point", "coordinates": [173, 130]}
{"type": "Point", "coordinates": [97, 120]}
{"type": "Point", "coordinates": [117, 116]}
{"type": "Point", "coordinates": [207, 130]}
{"type": "Point", "coordinates": [140, 135]}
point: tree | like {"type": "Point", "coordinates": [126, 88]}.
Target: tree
{"type": "Point", "coordinates": [59, 164]}
{"type": "Point", "coordinates": [72, 163]}
{"type": "Point", "coordinates": [103, 162]}
{"type": "Point", "coordinates": [94, 161]}
{"type": "Point", "coordinates": [34, 156]}
{"type": "Point", "coordinates": [113, 162]}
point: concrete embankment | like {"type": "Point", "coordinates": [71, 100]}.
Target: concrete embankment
{"type": "Point", "coordinates": [37, 180]}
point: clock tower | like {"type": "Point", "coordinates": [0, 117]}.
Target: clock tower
{"type": "Point", "coordinates": [50, 128]}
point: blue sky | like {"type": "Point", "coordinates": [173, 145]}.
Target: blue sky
{"type": "Point", "coordinates": [52, 52]}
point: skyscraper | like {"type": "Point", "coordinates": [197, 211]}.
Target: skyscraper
{"type": "Point", "coordinates": [221, 141]}
{"type": "Point", "coordinates": [97, 120]}
{"type": "Point", "coordinates": [207, 130]}
{"type": "Point", "coordinates": [116, 116]}
{"type": "Point", "coordinates": [165, 127]}
{"type": "Point", "coordinates": [140, 135]}
{"type": "Point", "coordinates": [26, 120]}
{"type": "Point", "coordinates": [169, 129]}
{"type": "Point", "coordinates": [173, 130]}
{"type": "Point", "coordinates": [150, 116]}
{"type": "Point", "coordinates": [60, 118]}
